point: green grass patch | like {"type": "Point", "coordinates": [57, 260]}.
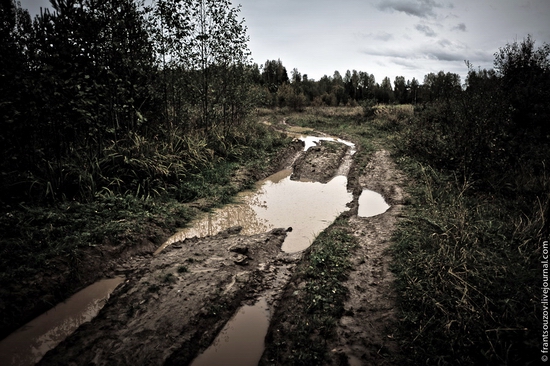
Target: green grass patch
{"type": "Point", "coordinates": [468, 279]}
{"type": "Point", "coordinates": [317, 303]}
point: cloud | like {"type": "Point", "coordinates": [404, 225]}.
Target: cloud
{"type": "Point", "coordinates": [417, 8]}
{"type": "Point", "coordinates": [460, 27]}
{"type": "Point", "coordinates": [379, 36]}
{"type": "Point", "coordinates": [441, 50]}
{"type": "Point", "coordinates": [429, 32]}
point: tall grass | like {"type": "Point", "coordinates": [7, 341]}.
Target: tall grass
{"type": "Point", "coordinates": [467, 264]}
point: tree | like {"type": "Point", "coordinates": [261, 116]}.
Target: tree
{"type": "Point", "coordinates": [525, 73]}
{"type": "Point", "coordinates": [384, 93]}
{"type": "Point", "coordinates": [441, 85]}
{"type": "Point", "coordinates": [274, 74]}
{"type": "Point", "coordinates": [400, 89]}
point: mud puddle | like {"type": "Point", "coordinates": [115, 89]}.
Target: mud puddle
{"type": "Point", "coordinates": [305, 205]}
{"type": "Point", "coordinates": [371, 204]}
{"type": "Point", "coordinates": [27, 345]}
{"type": "Point", "coordinates": [241, 341]}
{"type": "Point", "coordinates": [174, 304]}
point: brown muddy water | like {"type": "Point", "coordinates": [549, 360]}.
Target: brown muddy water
{"type": "Point", "coordinates": [371, 204]}
{"type": "Point", "coordinates": [28, 344]}
{"type": "Point", "coordinates": [241, 341]}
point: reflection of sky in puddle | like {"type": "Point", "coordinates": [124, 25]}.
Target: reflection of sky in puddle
{"type": "Point", "coordinates": [371, 204]}
{"type": "Point", "coordinates": [27, 345]}
{"type": "Point", "coordinates": [241, 341]}
{"type": "Point", "coordinates": [307, 207]}
{"type": "Point", "coordinates": [311, 141]}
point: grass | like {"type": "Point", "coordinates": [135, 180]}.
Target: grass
{"type": "Point", "coordinates": [317, 305]}
{"type": "Point", "coordinates": [468, 278]}
{"type": "Point", "coordinates": [466, 259]}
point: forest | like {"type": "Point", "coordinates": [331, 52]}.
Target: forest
{"type": "Point", "coordinates": [114, 112]}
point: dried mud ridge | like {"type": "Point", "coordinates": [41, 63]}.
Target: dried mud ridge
{"type": "Point", "coordinates": [171, 306]}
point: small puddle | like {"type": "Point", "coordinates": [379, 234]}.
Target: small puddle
{"type": "Point", "coordinates": [27, 345]}
{"type": "Point", "coordinates": [241, 341]}
{"type": "Point", "coordinates": [371, 204]}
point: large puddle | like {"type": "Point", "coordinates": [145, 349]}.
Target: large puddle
{"type": "Point", "coordinates": [307, 207]}
{"type": "Point", "coordinates": [27, 345]}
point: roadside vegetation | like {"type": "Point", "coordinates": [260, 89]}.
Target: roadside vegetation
{"type": "Point", "coordinates": [468, 254]}
{"type": "Point", "coordinates": [114, 115]}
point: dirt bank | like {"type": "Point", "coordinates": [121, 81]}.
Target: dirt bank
{"type": "Point", "coordinates": [319, 163]}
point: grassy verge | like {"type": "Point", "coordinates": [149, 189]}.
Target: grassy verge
{"type": "Point", "coordinates": [44, 248]}
{"type": "Point", "coordinates": [467, 265]}
{"type": "Point", "coordinates": [315, 304]}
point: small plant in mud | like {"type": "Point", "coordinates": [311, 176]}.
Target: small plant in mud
{"type": "Point", "coordinates": [183, 269]}
{"type": "Point", "coordinates": [153, 288]}
{"type": "Point", "coordinates": [169, 278]}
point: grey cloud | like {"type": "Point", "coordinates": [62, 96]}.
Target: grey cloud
{"type": "Point", "coordinates": [442, 50]}
{"type": "Point", "coordinates": [460, 27]}
{"type": "Point", "coordinates": [418, 8]}
{"type": "Point", "coordinates": [383, 36]}
{"type": "Point", "coordinates": [429, 32]}
{"type": "Point", "coordinates": [379, 36]}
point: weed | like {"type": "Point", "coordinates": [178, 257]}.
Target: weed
{"type": "Point", "coordinates": [466, 265]}
{"type": "Point", "coordinates": [183, 269]}
{"type": "Point", "coordinates": [169, 278]}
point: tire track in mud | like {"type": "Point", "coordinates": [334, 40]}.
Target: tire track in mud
{"type": "Point", "coordinates": [364, 333]}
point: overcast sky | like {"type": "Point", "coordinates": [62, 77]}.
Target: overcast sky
{"type": "Point", "coordinates": [391, 38]}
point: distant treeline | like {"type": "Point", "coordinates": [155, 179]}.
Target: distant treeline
{"type": "Point", "coordinates": [277, 89]}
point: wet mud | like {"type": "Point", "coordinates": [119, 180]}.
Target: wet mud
{"type": "Point", "coordinates": [365, 332]}
{"type": "Point", "coordinates": [174, 304]}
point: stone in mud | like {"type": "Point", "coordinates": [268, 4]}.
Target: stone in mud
{"type": "Point", "coordinates": [239, 248]}
{"type": "Point", "coordinates": [240, 259]}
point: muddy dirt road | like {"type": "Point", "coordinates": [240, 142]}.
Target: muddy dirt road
{"type": "Point", "coordinates": [172, 305]}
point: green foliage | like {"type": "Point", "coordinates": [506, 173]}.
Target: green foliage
{"type": "Point", "coordinates": [468, 254]}
{"type": "Point", "coordinates": [467, 268]}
